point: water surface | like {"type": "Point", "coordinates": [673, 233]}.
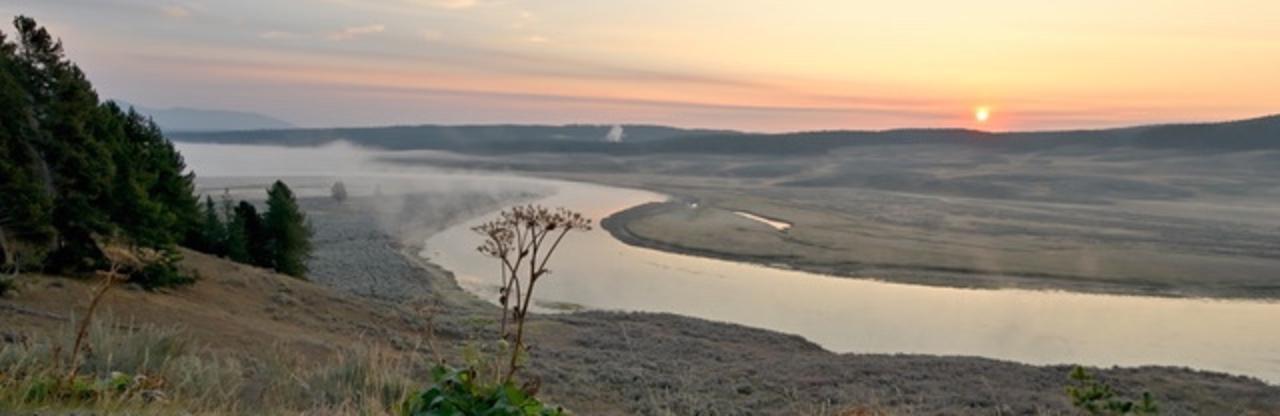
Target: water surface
{"type": "Point", "coordinates": [867, 316]}
{"type": "Point", "coordinates": [841, 314]}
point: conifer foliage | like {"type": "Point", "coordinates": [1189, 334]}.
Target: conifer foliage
{"type": "Point", "coordinates": [279, 239]}
{"type": "Point", "coordinates": [74, 169]}
{"type": "Point", "coordinates": [288, 233]}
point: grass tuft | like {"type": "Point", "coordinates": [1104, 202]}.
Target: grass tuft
{"type": "Point", "coordinates": [148, 370]}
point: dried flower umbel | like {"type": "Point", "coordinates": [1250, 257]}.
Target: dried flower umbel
{"type": "Point", "coordinates": [523, 239]}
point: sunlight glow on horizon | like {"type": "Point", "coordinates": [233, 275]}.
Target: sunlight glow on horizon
{"type": "Point", "coordinates": [751, 65]}
{"type": "Point", "coordinates": [981, 114]}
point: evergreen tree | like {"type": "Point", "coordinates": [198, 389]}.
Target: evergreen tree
{"type": "Point", "coordinates": [81, 167]}
{"type": "Point", "coordinates": [130, 206]}
{"type": "Point", "coordinates": [213, 231]}
{"type": "Point", "coordinates": [255, 247]}
{"type": "Point", "coordinates": [288, 230]}
{"type": "Point", "coordinates": [25, 202]}
{"type": "Point", "coordinates": [234, 244]}
{"type": "Point", "coordinates": [73, 170]}
{"type": "Point", "coordinates": [172, 187]}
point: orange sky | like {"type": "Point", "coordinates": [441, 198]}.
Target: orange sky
{"type": "Point", "coordinates": [747, 64]}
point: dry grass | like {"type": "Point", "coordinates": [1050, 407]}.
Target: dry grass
{"type": "Point", "coordinates": [157, 370]}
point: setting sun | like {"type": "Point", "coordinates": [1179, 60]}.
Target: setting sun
{"type": "Point", "coordinates": [981, 114]}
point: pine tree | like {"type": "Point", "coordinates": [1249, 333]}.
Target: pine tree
{"type": "Point", "coordinates": [25, 200]}
{"type": "Point", "coordinates": [234, 244]}
{"type": "Point", "coordinates": [213, 231]}
{"type": "Point", "coordinates": [288, 230]}
{"type": "Point", "coordinates": [74, 171]}
{"type": "Point", "coordinates": [81, 167]}
{"type": "Point", "coordinates": [253, 245]}
{"type": "Point", "coordinates": [172, 187]}
{"type": "Point", "coordinates": [130, 206]}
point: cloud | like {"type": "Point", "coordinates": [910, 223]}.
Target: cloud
{"type": "Point", "coordinates": [537, 39]}
{"type": "Point", "coordinates": [354, 31]}
{"type": "Point", "coordinates": [524, 19]}
{"type": "Point", "coordinates": [431, 35]}
{"type": "Point", "coordinates": [454, 4]}
{"type": "Point", "coordinates": [175, 11]}
{"type": "Point", "coordinates": [275, 35]}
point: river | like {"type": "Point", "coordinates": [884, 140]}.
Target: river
{"type": "Point", "coordinates": [594, 270]}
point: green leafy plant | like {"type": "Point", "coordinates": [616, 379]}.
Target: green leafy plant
{"type": "Point", "coordinates": [459, 392]}
{"type": "Point", "coordinates": [1098, 398]}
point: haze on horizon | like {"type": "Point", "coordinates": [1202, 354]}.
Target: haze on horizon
{"type": "Point", "coordinates": [752, 64]}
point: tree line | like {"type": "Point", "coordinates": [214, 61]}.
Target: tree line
{"type": "Point", "coordinates": [278, 239]}
{"type": "Point", "coordinates": [76, 171]}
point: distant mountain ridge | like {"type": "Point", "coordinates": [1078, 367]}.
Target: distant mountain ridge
{"type": "Point", "coordinates": [464, 137]}
{"type": "Point", "coordinates": [1261, 133]}
{"type": "Point", "coordinates": [183, 119]}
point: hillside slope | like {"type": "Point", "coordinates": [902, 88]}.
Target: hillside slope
{"type": "Point", "coordinates": [233, 308]}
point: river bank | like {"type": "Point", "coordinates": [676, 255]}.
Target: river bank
{"type": "Point", "coordinates": [956, 217]}
{"type": "Point", "coordinates": [593, 362]}
{"type": "Point", "coordinates": [600, 362]}
{"type": "Point", "coordinates": [705, 229]}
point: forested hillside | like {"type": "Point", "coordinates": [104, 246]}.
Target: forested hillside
{"type": "Point", "coordinates": [76, 172]}
{"type": "Point", "coordinates": [484, 138]}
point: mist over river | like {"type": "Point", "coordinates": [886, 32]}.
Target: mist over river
{"type": "Point", "coordinates": [594, 270]}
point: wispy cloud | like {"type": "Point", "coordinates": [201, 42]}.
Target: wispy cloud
{"type": "Point", "coordinates": [355, 31]}
{"type": "Point", "coordinates": [276, 35]}
{"type": "Point", "coordinates": [431, 35]}
{"type": "Point", "coordinates": [523, 19]}
{"type": "Point", "coordinates": [536, 39]}
{"type": "Point", "coordinates": [175, 11]}
{"type": "Point", "coordinates": [455, 4]}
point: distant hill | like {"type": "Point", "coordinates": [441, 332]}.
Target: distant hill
{"type": "Point", "coordinates": [1253, 134]}
{"type": "Point", "coordinates": [1244, 135]}
{"type": "Point", "coordinates": [482, 138]}
{"type": "Point", "coordinates": [180, 119]}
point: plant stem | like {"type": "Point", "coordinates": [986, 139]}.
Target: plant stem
{"type": "Point", "coordinates": [83, 329]}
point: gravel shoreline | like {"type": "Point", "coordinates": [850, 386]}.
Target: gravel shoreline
{"type": "Point", "coordinates": [604, 363]}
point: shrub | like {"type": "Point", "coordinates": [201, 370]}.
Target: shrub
{"type": "Point", "coordinates": [1098, 398]}
{"type": "Point", "coordinates": [339, 191]}
{"type": "Point", "coordinates": [458, 392]}
{"type": "Point", "coordinates": [162, 274]}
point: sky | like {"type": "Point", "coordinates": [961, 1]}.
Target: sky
{"type": "Point", "coordinates": [758, 65]}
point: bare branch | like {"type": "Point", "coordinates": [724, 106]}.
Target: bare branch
{"type": "Point", "coordinates": [520, 234]}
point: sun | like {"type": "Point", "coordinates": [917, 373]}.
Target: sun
{"type": "Point", "coordinates": [982, 114]}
